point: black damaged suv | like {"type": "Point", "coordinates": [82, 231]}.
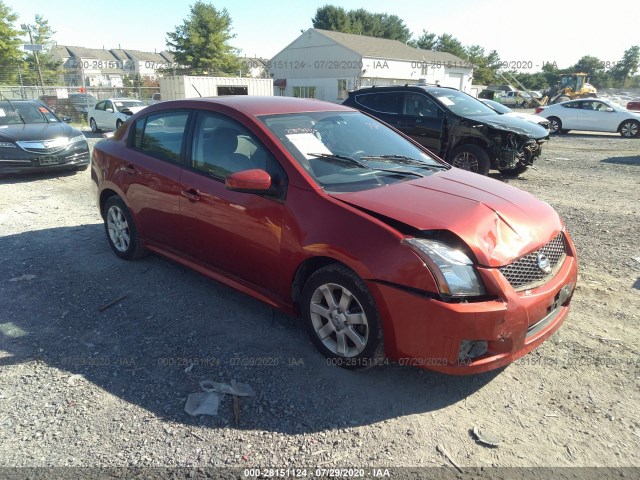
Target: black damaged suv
{"type": "Point", "coordinates": [455, 126]}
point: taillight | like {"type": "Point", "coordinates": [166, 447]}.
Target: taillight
{"type": "Point", "coordinates": [539, 109]}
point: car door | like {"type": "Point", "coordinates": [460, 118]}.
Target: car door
{"type": "Point", "coordinates": [152, 173]}
{"type": "Point", "coordinates": [109, 115]}
{"type": "Point", "coordinates": [98, 112]}
{"type": "Point", "coordinates": [568, 113]}
{"type": "Point", "coordinates": [593, 115]}
{"type": "Point", "coordinates": [234, 232]}
{"type": "Point", "coordinates": [422, 120]}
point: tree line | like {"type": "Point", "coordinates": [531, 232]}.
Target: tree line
{"type": "Point", "coordinates": [201, 44]}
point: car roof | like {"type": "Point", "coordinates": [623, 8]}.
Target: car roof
{"type": "Point", "coordinates": [427, 88]}
{"type": "Point", "coordinates": [256, 105]}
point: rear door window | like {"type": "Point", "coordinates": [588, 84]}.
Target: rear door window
{"type": "Point", "coordinates": [161, 135]}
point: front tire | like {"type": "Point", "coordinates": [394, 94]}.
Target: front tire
{"type": "Point", "coordinates": [470, 157]}
{"type": "Point", "coordinates": [629, 129]}
{"type": "Point", "coordinates": [118, 123]}
{"type": "Point", "coordinates": [121, 230]}
{"type": "Point", "coordinates": [341, 318]}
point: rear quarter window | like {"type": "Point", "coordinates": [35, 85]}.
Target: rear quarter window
{"type": "Point", "coordinates": [383, 102]}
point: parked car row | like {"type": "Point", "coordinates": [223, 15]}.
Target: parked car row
{"type": "Point", "coordinates": [327, 213]}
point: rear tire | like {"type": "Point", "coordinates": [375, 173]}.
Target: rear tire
{"type": "Point", "coordinates": [470, 157]}
{"type": "Point", "coordinates": [121, 230]}
{"type": "Point", "coordinates": [555, 125]}
{"type": "Point", "coordinates": [342, 319]}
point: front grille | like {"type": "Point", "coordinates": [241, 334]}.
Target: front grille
{"type": "Point", "coordinates": [525, 272]}
{"type": "Point", "coordinates": [41, 148]}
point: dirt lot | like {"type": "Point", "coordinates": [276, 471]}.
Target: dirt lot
{"type": "Point", "coordinates": [84, 385]}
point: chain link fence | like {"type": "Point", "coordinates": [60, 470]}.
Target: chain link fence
{"type": "Point", "coordinates": [75, 102]}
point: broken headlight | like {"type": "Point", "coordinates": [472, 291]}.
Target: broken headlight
{"type": "Point", "coordinates": [452, 269]}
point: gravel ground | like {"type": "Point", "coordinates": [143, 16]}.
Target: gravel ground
{"type": "Point", "coordinates": [87, 382]}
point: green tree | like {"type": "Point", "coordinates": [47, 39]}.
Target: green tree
{"type": "Point", "coordinates": [361, 22]}
{"type": "Point", "coordinates": [628, 66]}
{"type": "Point", "coordinates": [201, 42]}
{"type": "Point", "coordinates": [332, 18]}
{"type": "Point", "coordinates": [50, 67]}
{"type": "Point", "coordinates": [448, 43]}
{"type": "Point", "coordinates": [426, 41]}
{"type": "Point", "coordinates": [595, 70]}
{"type": "Point", "coordinates": [485, 67]}
{"type": "Point", "coordinates": [10, 53]}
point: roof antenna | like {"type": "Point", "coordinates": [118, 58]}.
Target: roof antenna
{"type": "Point", "coordinates": [194, 87]}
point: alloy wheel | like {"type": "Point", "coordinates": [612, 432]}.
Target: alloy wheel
{"type": "Point", "coordinates": [629, 129]}
{"type": "Point", "coordinates": [118, 229]}
{"type": "Point", "coordinates": [339, 320]}
{"type": "Point", "coordinates": [466, 161]}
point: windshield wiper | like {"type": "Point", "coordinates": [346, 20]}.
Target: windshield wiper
{"type": "Point", "coordinates": [402, 159]}
{"type": "Point", "coordinates": [340, 159]}
{"type": "Point", "coordinates": [402, 172]}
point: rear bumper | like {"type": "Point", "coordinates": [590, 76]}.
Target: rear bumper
{"type": "Point", "coordinates": [428, 333]}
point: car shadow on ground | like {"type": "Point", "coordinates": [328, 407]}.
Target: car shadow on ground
{"type": "Point", "coordinates": [32, 177]}
{"type": "Point", "coordinates": [632, 160]}
{"type": "Point", "coordinates": [149, 331]}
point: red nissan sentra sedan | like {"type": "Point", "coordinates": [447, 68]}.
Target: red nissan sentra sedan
{"type": "Point", "coordinates": [326, 213]}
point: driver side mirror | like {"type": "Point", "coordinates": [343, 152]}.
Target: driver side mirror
{"type": "Point", "coordinates": [67, 119]}
{"type": "Point", "coordinates": [110, 110]}
{"type": "Point", "coordinates": [609, 109]}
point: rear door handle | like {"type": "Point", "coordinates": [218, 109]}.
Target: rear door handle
{"type": "Point", "coordinates": [192, 194]}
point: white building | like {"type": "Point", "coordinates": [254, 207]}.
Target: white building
{"type": "Point", "coordinates": [326, 65]}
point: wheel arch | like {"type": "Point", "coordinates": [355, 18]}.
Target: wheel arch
{"type": "Point", "coordinates": [307, 268]}
{"type": "Point", "coordinates": [105, 195]}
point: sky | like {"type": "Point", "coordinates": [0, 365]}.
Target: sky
{"type": "Point", "coordinates": [531, 33]}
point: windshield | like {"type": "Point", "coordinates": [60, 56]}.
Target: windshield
{"type": "Point", "coordinates": [13, 113]}
{"type": "Point", "coordinates": [122, 104]}
{"type": "Point", "coordinates": [349, 151]}
{"type": "Point", "coordinates": [461, 103]}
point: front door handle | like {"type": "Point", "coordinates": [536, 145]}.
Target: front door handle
{"type": "Point", "coordinates": [130, 169]}
{"type": "Point", "coordinates": [192, 194]}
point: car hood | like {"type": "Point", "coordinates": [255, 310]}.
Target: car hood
{"type": "Point", "coordinates": [37, 131]}
{"type": "Point", "coordinates": [513, 124]}
{"type": "Point", "coordinates": [499, 223]}
{"type": "Point", "coordinates": [528, 117]}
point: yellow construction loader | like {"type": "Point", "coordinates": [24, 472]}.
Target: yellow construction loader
{"type": "Point", "coordinates": [570, 86]}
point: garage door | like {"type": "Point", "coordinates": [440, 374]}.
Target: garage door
{"type": "Point", "coordinates": [453, 80]}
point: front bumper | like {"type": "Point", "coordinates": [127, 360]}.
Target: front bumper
{"type": "Point", "coordinates": [428, 333]}
{"type": "Point", "coordinates": [18, 161]}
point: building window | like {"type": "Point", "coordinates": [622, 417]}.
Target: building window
{"type": "Point", "coordinates": [282, 91]}
{"type": "Point", "coordinates": [304, 92]}
{"type": "Point", "coordinates": [342, 89]}
{"type": "Point", "coordinates": [424, 71]}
